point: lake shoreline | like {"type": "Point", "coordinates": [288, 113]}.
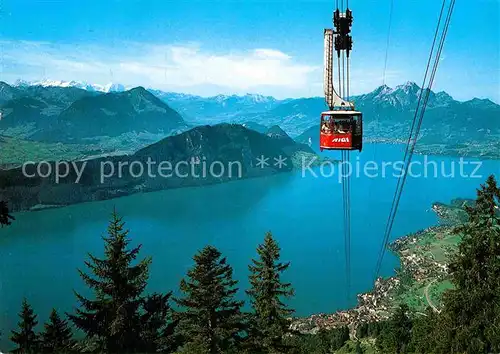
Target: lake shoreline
{"type": "Point", "coordinates": [172, 225]}
{"type": "Point", "coordinates": [379, 303]}
{"type": "Point", "coordinates": [125, 192]}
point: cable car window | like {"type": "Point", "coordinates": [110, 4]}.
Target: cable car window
{"type": "Point", "coordinates": [344, 127]}
{"type": "Point", "coordinates": [355, 122]}
{"type": "Point", "coordinates": [326, 125]}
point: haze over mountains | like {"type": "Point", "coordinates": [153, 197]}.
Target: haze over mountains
{"type": "Point", "coordinates": [206, 110]}
{"type": "Point", "coordinates": [109, 87]}
{"type": "Point", "coordinates": [88, 120]}
{"type": "Point", "coordinates": [216, 154]}
{"type": "Point", "coordinates": [70, 114]}
{"type": "Point", "coordinates": [54, 111]}
{"type": "Point", "coordinates": [450, 127]}
{"type": "Point", "coordinates": [73, 123]}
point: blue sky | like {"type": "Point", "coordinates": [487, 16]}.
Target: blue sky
{"type": "Point", "coordinates": [236, 46]}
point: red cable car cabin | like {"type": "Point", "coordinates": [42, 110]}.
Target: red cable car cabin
{"type": "Point", "coordinates": [341, 130]}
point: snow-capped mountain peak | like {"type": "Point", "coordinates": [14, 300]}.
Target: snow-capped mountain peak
{"type": "Point", "coordinates": [259, 98]}
{"type": "Point", "coordinates": [382, 91]}
{"type": "Point", "coordinates": [113, 87]}
{"type": "Point", "coordinates": [221, 98]}
{"type": "Point", "coordinates": [110, 87]}
{"type": "Point", "coordinates": [20, 83]}
{"type": "Point", "coordinates": [55, 83]}
{"type": "Point", "coordinates": [409, 87]}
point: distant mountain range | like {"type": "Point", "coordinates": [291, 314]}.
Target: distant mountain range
{"type": "Point", "coordinates": [70, 114]}
{"type": "Point", "coordinates": [60, 111]}
{"type": "Point", "coordinates": [234, 146]}
{"type": "Point", "coordinates": [140, 124]}
{"type": "Point", "coordinates": [113, 114]}
{"type": "Point", "coordinates": [447, 124]}
{"type": "Point", "coordinates": [110, 87]}
{"type": "Point", "coordinates": [470, 128]}
{"type": "Point", "coordinates": [207, 110]}
{"type": "Point", "coordinates": [194, 108]}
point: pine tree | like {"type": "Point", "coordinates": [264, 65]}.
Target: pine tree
{"type": "Point", "coordinates": [358, 349]}
{"type": "Point", "coordinates": [423, 330]}
{"type": "Point", "coordinates": [324, 339]}
{"type": "Point", "coordinates": [270, 322]}
{"type": "Point", "coordinates": [396, 335]}
{"type": "Point", "coordinates": [158, 324]}
{"type": "Point", "coordinates": [362, 330]}
{"type": "Point", "coordinates": [338, 337]}
{"type": "Point", "coordinates": [57, 336]}
{"type": "Point", "coordinates": [5, 217]}
{"type": "Point", "coordinates": [471, 314]}
{"type": "Point", "coordinates": [114, 315]}
{"type": "Point", "coordinates": [26, 339]}
{"type": "Point", "coordinates": [212, 321]}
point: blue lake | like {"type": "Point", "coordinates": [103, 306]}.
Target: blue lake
{"type": "Point", "coordinates": [41, 251]}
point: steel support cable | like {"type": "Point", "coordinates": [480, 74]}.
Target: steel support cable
{"type": "Point", "coordinates": [382, 248]}
{"type": "Point", "coordinates": [433, 74]}
{"type": "Point", "coordinates": [428, 90]}
{"type": "Point", "coordinates": [344, 192]}
{"type": "Point", "coordinates": [348, 80]}
{"type": "Point", "coordinates": [345, 171]}
{"type": "Point", "coordinates": [388, 40]}
{"type": "Point", "coordinates": [427, 95]}
{"type": "Point", "coordinates": [421, 113]}
{"type": "Point", "coordinates": [346, 221]}
{"type": "Point", "coordinates": [405, 160]}
{"type": "Point", "coordinates": [343, 76]}
{"type": "Point", "coordinates": [348, 214]}
{"type": "Point", "coordinates": [348, 178]}
{"type": "Point", "coordinates": [346, 195]}
{"type": "Point", "coordinates": [376, 127]}
{"type": "Point", "coordinates": [341, 82]}
{"type": "Point", "coordinates": [436, 34]}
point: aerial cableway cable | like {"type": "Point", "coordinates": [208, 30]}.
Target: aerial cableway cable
{"type": "Point", "coordinates": [341, 125]}
{"type": "Point", "coordinates": [416, 124]}
{"type": "Point", "coordinates": [419, 113]}
{"type": "Point", "coordinates": [410, 137]}
{"type": "Point", "coordinates": [376, 119]}
{"type": "Point", "coordinates": [347, 174]}
{"type": "Point", "coordinates": [388, 40]}
{"type": "Point", "coordinates": [345, 171]}
{"type": "Point", "coordinates": [346, 222]}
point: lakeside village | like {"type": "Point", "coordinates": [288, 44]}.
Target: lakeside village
{"type": "Point", "coordinates": [420, 281]}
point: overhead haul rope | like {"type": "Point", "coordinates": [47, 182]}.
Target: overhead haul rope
{"type": "Point", "coordinates": [419, 113]}
{"type": "Point", "coordinates": [348, 181]}
{"type": "Point", "coordinates": [347, 184]}
{"type": "Point", "coordinates": [388, 40]}
{"type": "Point", "coordinates": [417, 122]}
{"type": "Point", "coordinates": [376, 119]}
{"type": "Point", "coordinates": [345, 170]}
{"type": "Point", "coordinates": [347, 221]}
{"type": "Point", "coordinates": [348, 216]}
